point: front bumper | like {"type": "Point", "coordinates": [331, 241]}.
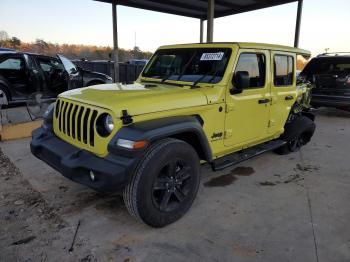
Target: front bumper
{"type": "Point", "coordinates": [111, 173]}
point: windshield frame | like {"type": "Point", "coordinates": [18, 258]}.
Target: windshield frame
{"type": "Point", "coordinates": [227, 50]}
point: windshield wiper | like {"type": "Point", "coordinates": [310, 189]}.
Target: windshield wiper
{"type": "Point", "coordinates": [166, 77]}
{"type": "Point", "coordinates": [187, 64]}
{"type": "Point", "coordinates": [194, 85]}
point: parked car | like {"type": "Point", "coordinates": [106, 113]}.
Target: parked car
{"type": "Point", "coordinates": [138, 61]}
{"type": "Point", "coordinates": [330, 74]}
{"type": "Point", "coordinates": [222, 103]}
{"type": "Point", "coordinates": [22, 74]}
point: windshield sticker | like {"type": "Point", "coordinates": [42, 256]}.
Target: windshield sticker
{"type": "Point", "coordinates": [212, 56]}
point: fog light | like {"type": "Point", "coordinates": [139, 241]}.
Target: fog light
{"type": "Point", "coordinates": [92, 176]}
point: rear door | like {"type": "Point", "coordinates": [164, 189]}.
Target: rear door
{"type": "Point", "coordinates": [247, 113]}
{"type": "Point", "coordinates": [283, 89]}
{"type": "Point", "coordinates": [13, 68]}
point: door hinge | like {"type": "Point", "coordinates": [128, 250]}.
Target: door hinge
{"type": "Point", "coordinates": [230, 107]}
{"type": "Point", "coordinates": [228, 133]}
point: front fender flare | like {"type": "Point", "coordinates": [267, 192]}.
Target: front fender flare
{"type": "Point", "coordinates": [153, 130]}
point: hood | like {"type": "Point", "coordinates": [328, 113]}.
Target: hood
{"type": "Point", "coordinates": [137, 98]}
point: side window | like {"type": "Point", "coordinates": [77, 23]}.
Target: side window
{"type": "Point", "coordinates": [45, 65]}
{"type": "Point", "coordinates": [255, 65]}
{"type": "Point", "coordinates": [284, 70]}
{"type": "Point", "coordinates": [13, 63]}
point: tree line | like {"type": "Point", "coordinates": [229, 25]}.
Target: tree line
{"type": "Point", "coordinates": [88, 52]}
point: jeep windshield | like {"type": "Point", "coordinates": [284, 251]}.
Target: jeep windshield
{"type": "Point", "coordinates": [195, 65]}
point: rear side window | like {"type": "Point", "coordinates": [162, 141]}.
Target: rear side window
{"type": "Point", "coordinates": [284, 70]}
{"type": "Point", "coordinates": [13, 63]}
{"type": "Point", "coordinates": [255, 65]}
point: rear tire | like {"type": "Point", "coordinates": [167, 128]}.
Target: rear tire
{"type": "Point", "coordinates": [297, 134]}
{"type": "Point", "coordinates": [4, 96]}
{"type": "Point", "coordinates": [164, 184]}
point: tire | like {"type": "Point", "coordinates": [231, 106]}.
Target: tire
{"type": "Point", "coordinates": [164, 184]}
{"type": "Point", "coordinates": [4, 96]}
{"type": "Point", "coordinates": [297, 134]}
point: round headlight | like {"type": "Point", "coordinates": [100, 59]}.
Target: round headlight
{"type": "Point", "coordinates": [104, 125]}
{"type": "Point", "coordinates": [109, 125]}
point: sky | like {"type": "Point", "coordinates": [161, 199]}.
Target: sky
{"type": "Point", "coordinates": [325, 24]}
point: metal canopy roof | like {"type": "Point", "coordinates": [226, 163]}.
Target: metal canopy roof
{"type": "Point", "coordinates": [198, 8]}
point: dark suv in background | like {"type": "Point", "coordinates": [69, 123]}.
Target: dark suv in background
{"type": "Point", "coordinates": [330, 74]}
{"type": "Point", "coordinates": [23, 74]}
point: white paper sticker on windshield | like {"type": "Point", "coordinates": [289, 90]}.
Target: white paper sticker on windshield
{"type": "Point", "coordinates": [212, 56]}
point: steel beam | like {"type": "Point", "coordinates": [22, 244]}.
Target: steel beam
{"type": "Point", "coordinates": [210, 20]}
{"type": "Point", "coordinates": [298, 22]}
{"type": "Point", "coordinates": [115, 42]}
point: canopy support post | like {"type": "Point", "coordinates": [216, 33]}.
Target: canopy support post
{"type": "Point", "coordinates": [115, 42]}
{"type": "Point", "coordinates": [201, 30]}
{"type": "Point", "coordinates": [210, 20]}
{"type": "Point", "coordinates": [298, 22]}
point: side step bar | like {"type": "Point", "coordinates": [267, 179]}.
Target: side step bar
{"type": "Point", "coordinates": [245, 154]}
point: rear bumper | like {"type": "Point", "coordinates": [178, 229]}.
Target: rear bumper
{"type": "Point", "coordinates": [111, 173]}
{"type": "Point", "coordinates": [332, 101]}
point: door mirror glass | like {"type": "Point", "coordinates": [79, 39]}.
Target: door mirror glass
{"type": "Point", "coordinates": [241, 80]}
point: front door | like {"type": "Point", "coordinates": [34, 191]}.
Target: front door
{"type": "Point", "coordinates": [247, 113]}
{"type": "Point", "coordinates": [74, 77]}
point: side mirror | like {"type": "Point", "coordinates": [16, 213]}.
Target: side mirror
{"type": "Point", "coordinates": [240, 81]}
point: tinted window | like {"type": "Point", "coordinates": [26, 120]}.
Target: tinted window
{"type": "Point", "coordinates": [327, 65]}
{"type": "Point", "coordinates": [255, 65]}
{"type": "Point", "coordinates": [207, 65]}
{"type": "Point", "coordinates": [284, 70]}
{"type": "Point", "coordinates": [12, 63]}
{"type": "Point", "coordinates": [48, 64]}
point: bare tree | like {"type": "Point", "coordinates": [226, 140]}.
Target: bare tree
{"type": "Point", "coordinates": [4, 35]}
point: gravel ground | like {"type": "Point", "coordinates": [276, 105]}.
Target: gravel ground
{"type": "Point", "coordinates": [30, 229]}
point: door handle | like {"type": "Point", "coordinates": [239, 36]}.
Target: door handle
{"type": "Point", "coordinates": [289, 98]}
{"type": "Point", "coordinates": [264, 101]}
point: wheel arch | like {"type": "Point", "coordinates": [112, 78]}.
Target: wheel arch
{"type": "Point", "coordinates": [6, 86]}
{"type": "Point", "coordinates": [186, 128]}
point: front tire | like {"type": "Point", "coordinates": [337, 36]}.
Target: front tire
{"type": "Point", "coordinates": [164, 184]}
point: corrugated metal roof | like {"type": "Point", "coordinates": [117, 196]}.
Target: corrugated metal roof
{"type": "Point", "coordinates": [198, 8]}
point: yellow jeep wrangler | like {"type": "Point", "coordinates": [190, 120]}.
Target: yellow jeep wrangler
{"type": "Point", "coordinates": [220, 103]}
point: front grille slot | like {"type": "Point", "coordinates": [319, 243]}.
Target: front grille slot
{"type": "Point", "coordinates": [85, 125]}
{"type": "Point", "coordinates": [74, 121]}
{"type": "Point", "coordinates": [77, 121]}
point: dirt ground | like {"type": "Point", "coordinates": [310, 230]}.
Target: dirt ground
{"type": "Point", "coordinates": [271, 208]}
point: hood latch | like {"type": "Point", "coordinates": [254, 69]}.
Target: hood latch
{"type": "Point", "coordinates": [126, 118]}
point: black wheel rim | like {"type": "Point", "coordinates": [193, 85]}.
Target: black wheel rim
{"type": "Point", "coordinates": [296, 143]}
{"type": "Point", "coordinates": [172, 185]}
